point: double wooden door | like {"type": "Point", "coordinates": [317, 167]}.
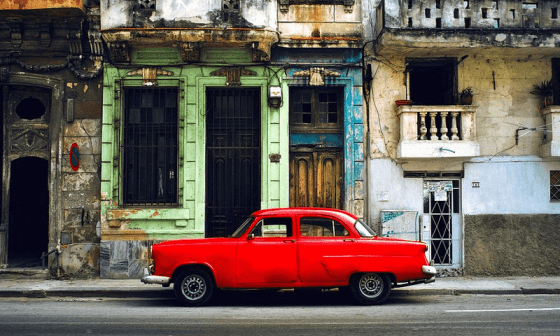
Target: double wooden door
{"type": "Point", "coordinates": [316, 178]}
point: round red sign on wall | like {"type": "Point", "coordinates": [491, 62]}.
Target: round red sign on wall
{"type": "Point", "coordinates": [75, 156]}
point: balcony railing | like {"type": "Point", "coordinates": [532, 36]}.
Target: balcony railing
{"type": "Point", "coordinates": [437, 131]}
{"type": "Point", "coordinates": [552, 145]}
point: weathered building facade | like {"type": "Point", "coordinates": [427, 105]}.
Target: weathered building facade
{"type": "Point", "coordinates": [478, 182]}
{"type": "Point", "coordinates": [50, 62]}
{"type": "Point", "coordinates": [214, 110]}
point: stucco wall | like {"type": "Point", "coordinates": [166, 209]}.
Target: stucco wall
{"type": "Point", "coordinates": [499, 109]}
{"type": "Point", "coordinates": [501, 245]}
{"type": "Point", "coordinates": [509, 224]}
{"type": "Point", "coordinates": [518, 185]}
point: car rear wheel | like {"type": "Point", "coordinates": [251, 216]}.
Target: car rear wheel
{"type": "Point", "coordinates": [371, 288]}
{"type": "Point", "coordinates": [193, 287]}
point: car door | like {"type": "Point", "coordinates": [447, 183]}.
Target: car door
{"type": "Point", "coordinates": [327, 250]}
{"type": "Point", "coordinates": [268, 254]}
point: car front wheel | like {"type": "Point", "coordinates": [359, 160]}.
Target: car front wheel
{"type": "Point", "coordinates": [370, 288]}
{"type": "Point", "coordinates": [193, 287]}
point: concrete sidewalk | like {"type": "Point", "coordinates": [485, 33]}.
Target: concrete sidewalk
{"type": "Point", "coordinates": [133, 288]}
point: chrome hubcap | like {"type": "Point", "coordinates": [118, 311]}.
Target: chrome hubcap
{"type": "Point", "coordinates": [371, 285]}
{"type": "Point", "coordinates": [194, 287]}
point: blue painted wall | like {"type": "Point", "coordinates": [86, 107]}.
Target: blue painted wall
{"type": "Point", "coordinates": [348, 63]}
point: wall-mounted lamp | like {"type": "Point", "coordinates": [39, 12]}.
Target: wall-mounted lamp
{"type": "Point", "coordinates": [275, 96]}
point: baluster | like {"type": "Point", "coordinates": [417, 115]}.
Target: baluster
{"type": "Point", "coordinates": [423, 128]}
{"type": "Point", "coordinates": [454, 129]}
{"type": "Point", "coordinates": [433, 128]}
{"type": "Point", "coordinates": [444, 126]}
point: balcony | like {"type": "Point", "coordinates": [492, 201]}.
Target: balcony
{"type": "Point", "coordinates": [551, 148]}
{"type": "Point", "coordinates": [463, 25]}
{"type": "Point", "coordinates": [446, 131]}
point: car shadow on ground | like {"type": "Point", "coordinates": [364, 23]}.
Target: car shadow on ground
{"type": "Point", "coordinates": [281, 298]}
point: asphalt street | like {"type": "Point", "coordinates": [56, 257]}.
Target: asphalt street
{"type": "Point", "coordinates": [257, 313]}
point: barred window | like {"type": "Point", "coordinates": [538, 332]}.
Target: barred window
{"type": "Point", "coordinates": [150, 146]}
{"type": "Point", "coordinates": [555, 185]}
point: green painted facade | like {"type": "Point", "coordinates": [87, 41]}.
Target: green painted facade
{"type": "Point", "coordinates": [187, 219]}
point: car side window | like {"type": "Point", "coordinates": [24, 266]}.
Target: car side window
{"type": "Point", "coordinates": [273, 227]}
{"type": "Point", "coordinates": [321, 227]}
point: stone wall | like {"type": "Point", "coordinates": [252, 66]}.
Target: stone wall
{"type": "Point", "coordinates": [512, 245]}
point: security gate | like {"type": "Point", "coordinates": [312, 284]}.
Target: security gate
{"type": "Point", "coordinates": [441, 222]}
{"type": "Point", "coordinates": [233, 183]}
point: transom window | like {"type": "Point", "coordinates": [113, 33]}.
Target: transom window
{"type": "Point", "coordinates": [555, 185]}
{"type": "Point", "coordinates": [318, 109]}
{"type": "Point", "coordinates": [150, 146]}
{"type": "Point", "coordinates": [321, 227]}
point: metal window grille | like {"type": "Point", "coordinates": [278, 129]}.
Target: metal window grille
{"type": "Point", "coordinates": [555, 185]}
{"type": "Point", "coordinates": [441, 201]}
{"type": "Point", "coordinates": [150, 147]}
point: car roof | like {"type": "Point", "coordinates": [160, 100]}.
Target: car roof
{"type": "Point", "coordinates": [303, 211]}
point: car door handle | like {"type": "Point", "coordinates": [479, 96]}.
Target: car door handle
{"type": "Point", "coordinates": [289, 241]}
{"type": "Point", "coordinates": [348, 240]}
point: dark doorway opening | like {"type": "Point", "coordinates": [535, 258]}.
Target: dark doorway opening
{"type": "Point", "coordinates": [28, 228]}
{"type": "Point", "coordinates": [233, 161]}
{"type": "Point", "coordinates": [432, 82]}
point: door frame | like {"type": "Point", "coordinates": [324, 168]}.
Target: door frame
{"type": "Point", "coordinates": [274, 174]}
{"type": "Point", "coordinates": [54, 159]}
{"type": "Point", "coordinates": [457, 233]}
{"type": "Point", "coordinates": [257, 92]}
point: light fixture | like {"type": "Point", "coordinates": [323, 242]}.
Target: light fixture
{"type": "Point", "coordinates": [275, 96]}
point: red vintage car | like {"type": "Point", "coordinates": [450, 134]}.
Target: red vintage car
{"type": "Point", "coordinates": [291, 248]}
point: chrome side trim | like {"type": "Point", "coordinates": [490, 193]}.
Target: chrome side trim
{"type": "Point", "coordinates": [147, 278]}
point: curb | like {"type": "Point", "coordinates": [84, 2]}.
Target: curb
{"type": "Point", "coordinates": [168, 293]}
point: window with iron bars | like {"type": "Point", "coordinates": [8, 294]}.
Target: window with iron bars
{"type": "Point", "coordinates": [150, 147]}
{"type": "Point", "coordinates": [555, 185]}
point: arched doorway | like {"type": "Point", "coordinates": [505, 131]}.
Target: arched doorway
{"type": "Point", "coordinates": [28, 228]}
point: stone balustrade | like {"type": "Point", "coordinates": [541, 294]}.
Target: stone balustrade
{"type": "Point", "coordinates": [437, 131]}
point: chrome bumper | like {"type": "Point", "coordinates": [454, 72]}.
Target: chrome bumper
{"type": "Point", "coordinates": [147, 278]}
{"type": "Point", "coordinates": [429, 270]}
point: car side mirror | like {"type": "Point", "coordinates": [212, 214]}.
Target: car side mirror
{"type": "Point", "coordinates": [251, 236]}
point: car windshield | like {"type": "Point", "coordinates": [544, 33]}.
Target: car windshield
{"type": "Point", "coordinates": [363, 229]}
{"type": "Point", "coordinates": [241, 230]}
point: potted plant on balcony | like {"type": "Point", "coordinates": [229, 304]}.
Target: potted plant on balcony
{"type": "Point", "coordinates": [545, 91]}
{"type": "Point", "coordinates": [466, 96]}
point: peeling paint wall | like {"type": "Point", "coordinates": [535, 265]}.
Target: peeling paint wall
{"type": "Point", "coordinates": [47, 60]}
{"type": "Point", "coordinates": [125, 229]}
{"type": "Point", "coordinates": [321, 21]}
{"type": "Point", "coordinates": [505, 187]}
{"type": "Point", "coordinates": [188, 14]}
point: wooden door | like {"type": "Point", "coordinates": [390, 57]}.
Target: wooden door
{"type": "Point", "coordinates": [316, 179]}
